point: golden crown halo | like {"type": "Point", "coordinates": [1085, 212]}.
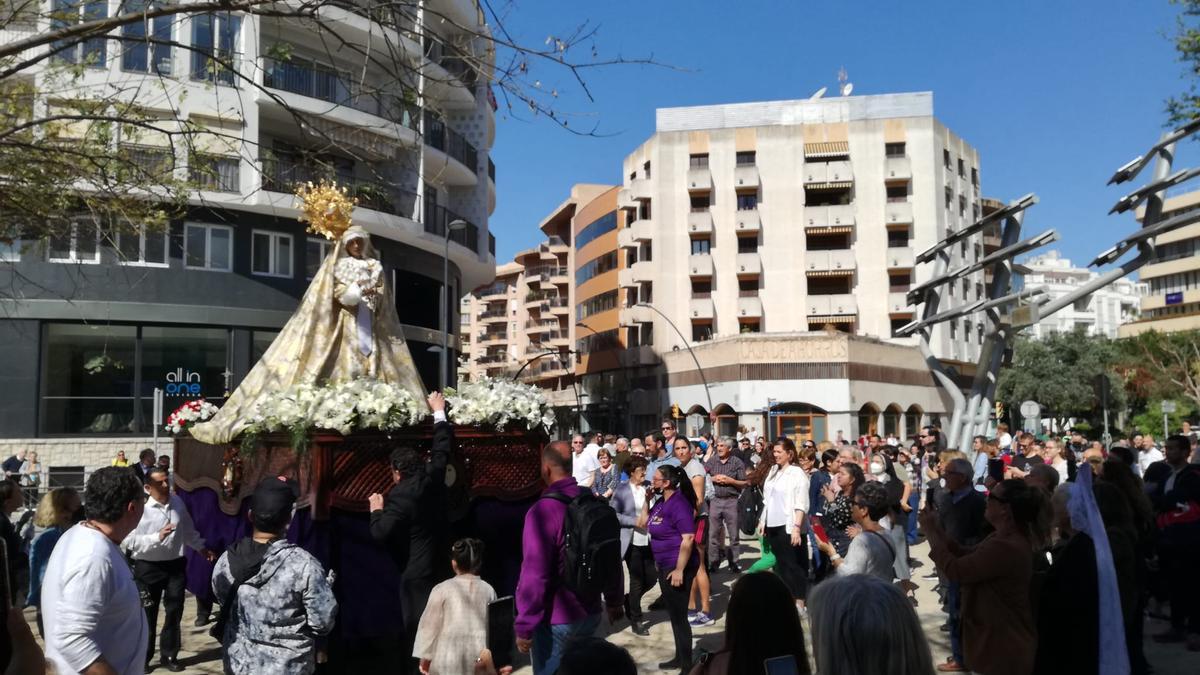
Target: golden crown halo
{"type": "Point", "coordinates": [326, 208]}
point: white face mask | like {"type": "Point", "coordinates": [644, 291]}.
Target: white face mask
{"type": "Point", "coordinates": [876, 468]}
{"type": "Point", "coordinates": [942, 482]}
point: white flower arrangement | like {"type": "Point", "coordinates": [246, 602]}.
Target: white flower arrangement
{"type": "Point", "coordinates": [190, 413]}
{"type": "Point", "coordinates": [369, 404]}
{"type": "Point", "coordinates": [495, 402]}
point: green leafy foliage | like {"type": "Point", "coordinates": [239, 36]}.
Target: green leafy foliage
{"type": "Point", "coordinates": [1060, 373]}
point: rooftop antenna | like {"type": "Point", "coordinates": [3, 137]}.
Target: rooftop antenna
{"type": "Point", "coordinates": [818, 94]}
{"type": "Point", "coordinates": [844, 85]}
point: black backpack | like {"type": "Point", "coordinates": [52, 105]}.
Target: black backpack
{"type": "Point", "coordinates": [591, 543]}
{"type": "Point", "coordinates": [750, 506]}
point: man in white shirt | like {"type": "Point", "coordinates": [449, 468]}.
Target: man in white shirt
{"type": "Point", "coordinates": [91, 610]}
{"type": "Point", "coordinates": [583, 463]}
{"type": "Point", "coordinates": [1147, 455]}
{"type": "Point", "coordinates": [159, 567]}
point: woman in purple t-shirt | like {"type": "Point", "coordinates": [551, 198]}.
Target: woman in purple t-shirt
{"type": "Point", "coordinates": [671, 523]}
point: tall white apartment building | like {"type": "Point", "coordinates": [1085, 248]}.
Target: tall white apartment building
{"type": "Point", "coordinates": [1171, 301]}
{"type": "Point", "coordinates": [1098, 314]}
{"type": "Point", "coordinates": [778, 222]}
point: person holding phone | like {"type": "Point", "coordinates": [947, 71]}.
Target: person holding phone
{"type": "Point", "coordinates": [671, 523]}
{"type": "Point", "coordinates": [453, 629]}
{"type": "Point", "coordinates": [784, 518]}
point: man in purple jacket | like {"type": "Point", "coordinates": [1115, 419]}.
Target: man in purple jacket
{"type": "Point", "coordinates": [549, 614]}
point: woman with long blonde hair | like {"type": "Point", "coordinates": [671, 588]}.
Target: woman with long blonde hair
{"type": "Point", "coordinates": [56, 514]}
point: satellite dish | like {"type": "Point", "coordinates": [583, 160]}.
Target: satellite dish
{"type": "Point", "coordinates": [847, 88]}
{"type": "Point", "coordinates": [818, 94]}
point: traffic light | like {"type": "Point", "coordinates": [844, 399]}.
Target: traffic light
{"type": "Point", "coordinates": [675, 410]}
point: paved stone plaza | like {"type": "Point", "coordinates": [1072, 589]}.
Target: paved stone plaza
{"type": "Point", "coordinates": [201, 655]}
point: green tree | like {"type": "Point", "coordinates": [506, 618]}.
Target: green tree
{"type": "Point", "coordinates": [1060, 373]}
{"type": "Point", "coordinates": [1186, 106]}
{"type": "Point", "coordinates": [1150, 420]}
{"type": "Point", "coordinates": [1160, 366]}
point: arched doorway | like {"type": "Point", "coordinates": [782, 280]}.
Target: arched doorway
{"type": "Point", "coordinates": [868, 419]}
{"type": "Point", "coordinates": [727, 420]}
{"type": "Point", "coordinates": [912, 420]}
{"type": "Point", "coordinates": [800, 422]}
{"type": "Point", "coordinates": [891, 420]}
{"type": "Point", "coordinates": [696, 421]}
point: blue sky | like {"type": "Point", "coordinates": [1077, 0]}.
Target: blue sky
{"type": "Point", "coordinates": [1055, 95]}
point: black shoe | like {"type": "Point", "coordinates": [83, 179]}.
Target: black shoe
{"type": "Point", "coordinates": [733, 566]}
{"type": "Point", "coordinates": [202, 620]}
{"type": "Point", "coordinates": [172, 665]}
{"type": "Point", "coordinates": [149, 668]}
{"type": "Point", "coordinates": [673, 664]}
{"type": "Point", "coordinates": [639, 627]}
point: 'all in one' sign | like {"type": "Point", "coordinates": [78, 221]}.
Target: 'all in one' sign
{"type": "Point", "coordinates": [182, 382]}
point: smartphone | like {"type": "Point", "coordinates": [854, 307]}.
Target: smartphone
{"type": "Point", "coordinates": [931, 498]}
{"type": "Point", "coordinates": [996, 469]}
{"type": "Point", "coordinates": [820, 532]}
{"type": "Point", "coordinates": [501, 635]}
{"type": "Point", "coordinates": [781, 665]}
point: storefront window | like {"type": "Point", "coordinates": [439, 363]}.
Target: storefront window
{"type": "Point", "coordinates": [186, 363]}
{"type": "Point", "coordinates": [88, 379]}
{"type": "Point", "coordinates": [261, 342]}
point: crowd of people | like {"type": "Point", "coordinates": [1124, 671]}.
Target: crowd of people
{"type": "Point", "coordinates": [1048, 555]}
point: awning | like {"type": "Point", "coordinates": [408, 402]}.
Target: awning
{"type": "Point", "coordinates": [898, 226]}
{"type": "Point", "coordinates": [903, 314]}
{"type": "Point", "coordinates": [835, 149]}
{"type": "Point", "coordinates": [832, 318]}
{"type": "Point", "coordinates": [840, 185]}
{"type": "Point", "coordinates": [829, 229]}
{"type": "Point", "coordinates": [829, 273]}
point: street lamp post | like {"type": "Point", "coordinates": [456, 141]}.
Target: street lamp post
{"type": "Point", "coordinates": [444, 308]}
{"type": "Point", "coordinates": [686, 345]}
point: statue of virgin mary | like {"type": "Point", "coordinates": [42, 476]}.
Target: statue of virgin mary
{"type": "Point", "coordinates": [345, 328]}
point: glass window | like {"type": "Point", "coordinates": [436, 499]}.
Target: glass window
{"type": "Point", "coordinates": [10, 251]}
{"type": "Point", "coordinates": [214, 47]}
{"type": "Point", "coordinates": [64, 13]}
{"type": "Point", "coordinates": [701, 246]}
{"type": "Point", "coordinates": [260, 341]}
{"type": "Point", "coordinates": [271, 254]}
{"type": "Point", "coordinates": [186, 363]}
{"type": "Point", "coordinates": [208, 247]}
{"type": "Point", "coordinates": [698, 161]}
{"type": "Point", "coordinates": [315, 252]}
{"type": "Point", "coordinates": [603, 225]}
{"type": "Point", "coordinates": [599, 265]}
{"type": "Point", "coordinates": [78, 243]}
{"type": "Point", "coordinates": [88, 379]}
{"type": "Point", "coordinates": [701, 332]}
{"type": "Point", "coordinates": [144, 55]}
{"type": "Point", "coordinates": [747, 244]}
{"type": "Point", "coordinates": [893, 149]}
{"type": "Point", "coordinates": [140, 247]}
{"type": "Point", "coordinates": [747, 201]}
{"type": "Point", "coordinates": [745, 158]}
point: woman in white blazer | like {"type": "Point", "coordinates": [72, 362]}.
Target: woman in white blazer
{"type": "Point", "coordinates": [783, 520]}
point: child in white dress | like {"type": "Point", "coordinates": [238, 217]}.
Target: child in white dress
{"type": "Point", "coordinates": [453, 629]}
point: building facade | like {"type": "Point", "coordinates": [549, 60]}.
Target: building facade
{"type": "Point", "coordinates": [1101, 313]}
{"type": "Point", "coordinates": [790, 222]}
{"type": "Point", "coordinates": [99, 319]}
{"type": "Point", "coordinates": [1172, 295]}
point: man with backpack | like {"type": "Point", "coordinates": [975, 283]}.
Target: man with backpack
{"type": "Point", "coordinates": [572, 558]}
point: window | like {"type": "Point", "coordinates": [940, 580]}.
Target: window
{"type": "Point", "coordinates": [897, 324]}
{"type": "Point", "coordinates": [746, 158]}
{"type": "Point", "coordinates": [315, 251]}
{"type": "Point", "coordinates": [10, 251]}
{"type": "Point", "coordinates": [700, 203]}
{"type": "Point", "coordinates": [747, 201]}
{"type": "Point", "coordinates": [749, 326]}
{"type": "Point", "coordinates": [698, 161]}
{"type": "Point", "coordinates": [701, 288]}
{"type": "Point", "coordinates": [644, 210]}
{"type": "Point", "coordinates": [975, 176]}
{"type": "Point", "coordinates": [76, 242]}
{"type": "Point", "coordinates": [975, 211]}
{"type": "Point", "coordinates": [962, 171]}
{"type": "Point", "coordinates": [208, 247]}
{"type": "Point", "coordinates": [603, 225]}
{"type": "Point", "coordinates": [142, 247]}
{"type": "Point", "coordinates": [596, 342]}
{"type": "Point", "coordinates": [92, 51]}
{"type": "Point", "coordinates": [701, 246]}
{"type": "Point", "coordinates": [946, 158]}
{"type": "Point", "coordinates": [604, 263]}
{"type": "Point", "coordinates": [146, 52]}
{"type": "Point", "coordinates": [271, 254]}
{"type": "Point", "coordinates": [595, 305]}
{"type": "Point", "coordinates": [897, 238]}
{"type": "Point", "coordinates": [214, 47]}
{"type": "Point", "coordinates": [215, 173]}
{"type": "Point", "coordinates": [949, 198]}
{"type": "Point", "coordinates": [646, 170]}
{"type": "Point", "coordinates": [747, 244]}
{"type": "Point", "coordinates": [899, 282]}
{"type": "Point", "coordinates": [87, 379]}
{"type": "Point", "coordinates": [702, 332]}
{"type": "Point", "coordinates": [962, 205]}
{"type": "Point", "coordinates": [748, 288]}
{"type": "Point", "coordinates": [893, 149]}
{"type": "Point", "coordinates": [897, 193]}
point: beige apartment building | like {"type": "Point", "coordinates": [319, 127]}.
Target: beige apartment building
{"type": "Point", "coordinates": [1172, 302]}
{"type": "Point", "coordinates": [778, 241]}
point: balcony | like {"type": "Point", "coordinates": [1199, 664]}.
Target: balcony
{"type": "Point", "coordinates": [559, 306]}
{"type": "Point", "coordinates": [897, 168]}
{"type": "Point", "coordinates": [625, 199]}
{"type": "Point", "coordinates": [493, 292]}
{"type": "Point", "coordinates": [899, 258]}
{"type": "Point", "coordinates": [536, 299]}
{"type": "Point", "coordinates": [489, 337]}
{"type": "Point", "coordinates": [828, 216]}
{"type": "Point", "coordinates": [446, 140]}
{"type": "Point", "coordinates": [298, 75]}
{"type": "Point", "coordinates": [700, 308]}
{"type": "Point", "coordinates": [898, 213]}
{"type": "Point", "coordinates": [748, 264]}
{"type": "Point", "coordinates": [640, 272]}
{"type": "Point", "coordinates": [640, 355]}
{"type": "Point", "coordinates": [898, 303]}
{"type": "Point", "coordinates": [487, 359]}
{"type": "Point", "coordinates": [635, 315]}
{"type": "Point", "coordinates": [746, 176]}
{"type": "Point", "coordinates": [284, 174]}
{"type": "Point", "coordinates": [831, 305]}
{"type": "Point", "coordinates": [499, 316]}
{"type": "Point", "coordinates": [637, 232]}
{"type": "Point", "coordinates": [841, 260]}
{"type": "Point", "coordinates": [699, 179]}
{"type": "Point", "coordinates": [541, 325]}
{"type": "Point", "coordinates": [700, 221]}
{"type": "Point", "coordinates": [827, 172]}
{"type": "Point", "coordinates": [750, 307]}
{"type": "Point", "coordinates": [747, 220]}
{"type": "Point", "coordinates": [641, 189]}
{"type": "Point", "coordinates": [560, 339]}
{"type": "Point", "coordinates": [700, 265]}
